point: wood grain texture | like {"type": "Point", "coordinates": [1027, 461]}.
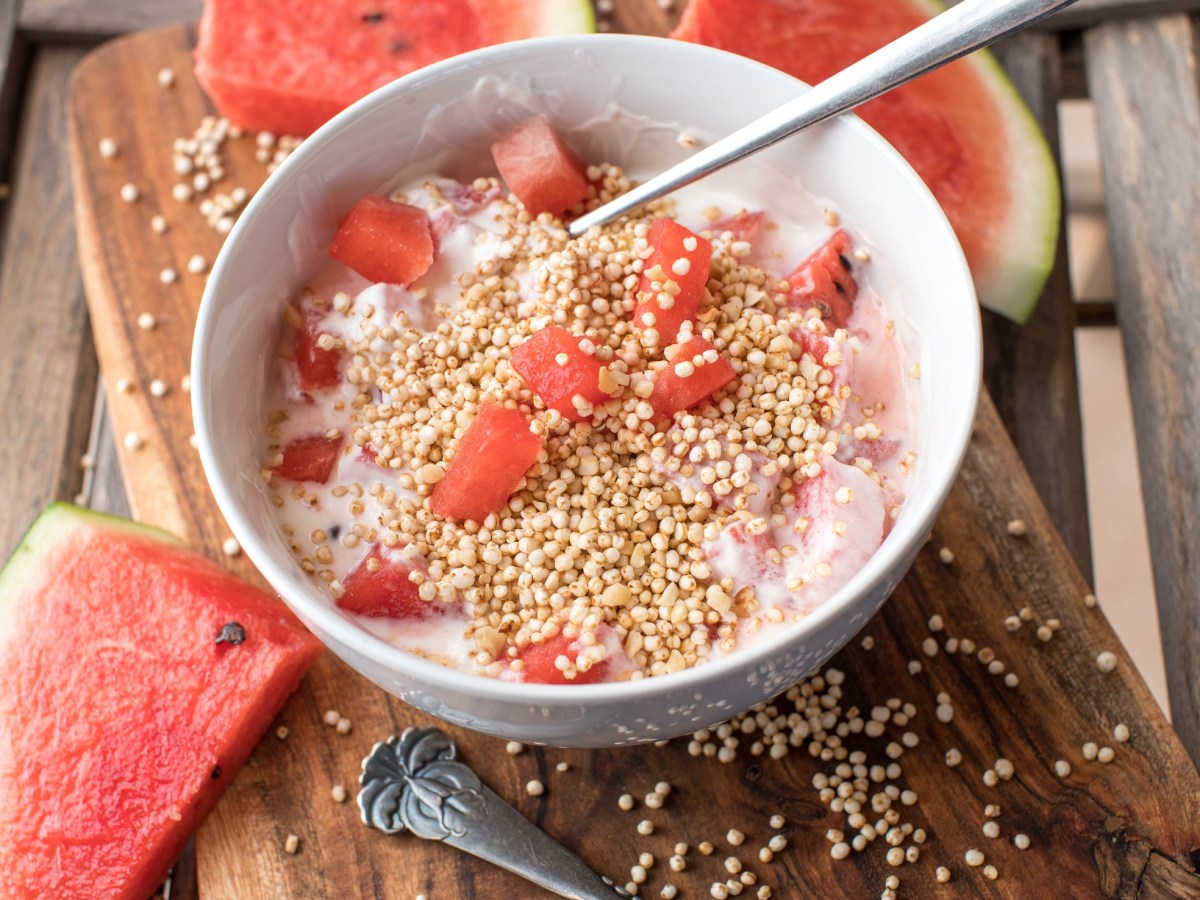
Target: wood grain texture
{"type": "Point", "coordinates": [1030, 369]}
{"type": "Point", "coordinates": [13, 58]}
{"type": "Point", "coordinates": [92, 20]}
{"type": "Point", "coordinates": [1144, 78]}
{"type": "Point", "coordinates": [103, 487]}
{"type": "Point", "coordinates": [1085, 13]}
{"type": "Point", "coordinates": [46, 357]}
{"type": "Point", "coordinates": [1106, 830]}
{"type": "Point", "coordinates": [122, 267]}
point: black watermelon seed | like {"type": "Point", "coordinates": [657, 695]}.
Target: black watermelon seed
{"type": "Point", "coordinates": [231, 633]}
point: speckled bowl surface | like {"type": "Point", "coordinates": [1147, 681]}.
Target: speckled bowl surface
{"type": "Point", "coordinates": [444, 117]}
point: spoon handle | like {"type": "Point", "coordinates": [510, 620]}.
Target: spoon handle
{"type": "Point", "coordinates": [415, 783]}
{"type": "Point", "coordinates": [963, 28]}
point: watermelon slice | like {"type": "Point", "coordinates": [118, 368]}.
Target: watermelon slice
{"type": "Point", "coordinates": [288, 68]}
{"type": "Point", "coordinates": [963, 128]}
{"type": "Point", "coordinates": [122, 719]}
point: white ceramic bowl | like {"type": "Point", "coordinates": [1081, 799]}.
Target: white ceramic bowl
{"type": "Point", "coordinates": [446, 116]}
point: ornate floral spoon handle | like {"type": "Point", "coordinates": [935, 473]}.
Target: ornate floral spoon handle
{"type": "Point", "coordinates": [414, 783]}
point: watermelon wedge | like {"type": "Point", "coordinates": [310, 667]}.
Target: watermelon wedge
{"type": "Point", "coordinates": [290, 67]}
{"type": "Point", "coordinates": [122, 718]}
{"type": "Point", "coordinates": [963, 128]}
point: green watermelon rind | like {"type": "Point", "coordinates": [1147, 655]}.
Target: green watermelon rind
{"type": "Point", "coordinates": [567, 17]}
{"type": "Point", "coordinates": [1021, 266]}
{"type": "Point", "coordinates": [53, 527]}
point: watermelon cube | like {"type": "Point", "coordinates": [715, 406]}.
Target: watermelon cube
{"type": "Point", "coordinates": [318, 366]}
{"type": "Point", "coordinates": [539, 167]}
{"type": "Point", "coordinates": [743, 225]}
{"type": "Point", "coordinates": [491, 459]}
{"type": "Point", "coordinates": [839, 519]}
{"type": "Point", "coordinates": [826, 281]}
{"type": "Point", "coordinates": [835, 358]}
{"type": "Point", "coordinates": [385, 241]}
{"type": "Point", "coordinates": [122, 717]}
{"type": "Point", "coordinates": [309, 458]}
{"type": "Point", "coordinates": [539, 663]}
{"type": "Point", "coordinates": [673, 279]}
{"type": "Point", "coordinates": [695, 373]}
{"type": "Point", "coordinates": [560, 372]}
{"type": "Point", "coordinates": [379, 586]}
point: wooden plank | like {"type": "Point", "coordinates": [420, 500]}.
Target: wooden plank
{"type": "Point", "coordinates": [46, 360]}
{"type": "Point", "coordinates": [1030, 369]}
{"type": "Point", "coordinates": [1085, 13]}
{"type": "Point", "coordinates": [92, 20]}
{"type": "Point", "coordinates": [13, 59]}
{"type": "Point", "coordinates": [103, 487]}
{"type": "Point", "coordinates": [1095, 833]}
{"type": "Point", "coordinates": [122, 266]}
{"type": "Point", "coordinates": [1143, 76]}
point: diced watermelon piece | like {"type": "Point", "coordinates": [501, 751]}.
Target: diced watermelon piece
{"type": "Point", "coordinates": [122, 720]}
{"type": "Point", "coordinates": [832, 357]}
{"type": "Point", "coordinates": [744, 225]}
{"type": "Point", "coordinates": [379, 586]}
{"type": "Point", "coordinates": [751, 560]}
{"type": "Point", "coordinates": [386, 241]}
{"type": "Point", "coordinates": [319, 368]}
{"type": "Point", "coordinates": [559, 383]}
{"type": "Point", "coordinates": [839, 519]}
{"type": "Point", "coordinates": [675, 273]}
{"type": "Point", "coordinates": [491, 459]}
{"type": "Point", "coordinates": [539, 167]}
{"type": "Point", "coordinates": [538, 662]}
{"type": "Point", "coordinates": [826, 280]}
{"type": "Point", "coordinates": [288, 67]}
{"type": "Point", "coordinates": [309, 458]}
{"type": "Point", "coordinates": [677, 388]}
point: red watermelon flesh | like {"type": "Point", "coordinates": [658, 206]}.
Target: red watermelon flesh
{"type": "Point", "coordinates": [384, 241]}
{"type": "Point", "coordinates": [121, 718]}
{"type": "Point", "coordinates": [538, 166]}
{"type": "Point", "coordinates": [962, 128]}
{"type": "Point", "coordinates": [289, 67]}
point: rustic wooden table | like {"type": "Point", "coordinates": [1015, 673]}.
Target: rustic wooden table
{"type": "Point", "coordinates": [1136, 60]}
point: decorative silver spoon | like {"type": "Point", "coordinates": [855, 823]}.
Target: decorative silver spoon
{"type": "Point", "coordinates": [415, 783]}
{"type": "Point", "coordinates": [958, 31]}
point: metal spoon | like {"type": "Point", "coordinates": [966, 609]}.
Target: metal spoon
{"type": "Point", "coordinates": [958, 31]}
{"type": "Point", "coordinates": [414, 783]}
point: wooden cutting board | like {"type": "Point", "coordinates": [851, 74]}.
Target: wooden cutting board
{"type": "Point", "coordinates": [1127, 828]}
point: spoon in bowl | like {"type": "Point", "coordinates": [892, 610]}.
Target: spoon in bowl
{"type": "Point", "coordinates": [960, 30]}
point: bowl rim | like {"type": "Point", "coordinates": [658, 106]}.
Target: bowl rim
{"type": "Point", "coordinates": [911, 527]}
